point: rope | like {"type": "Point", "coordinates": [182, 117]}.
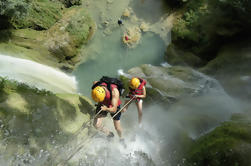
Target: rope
{"type": "Point", "coordinates": [85, 124]}
{"type": "Point", "coordinates": [81, 145]}
{"type": "Point", "coordinates": [124, 106]}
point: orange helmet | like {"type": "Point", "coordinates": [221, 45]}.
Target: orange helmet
{"type": "Point", "coordinates": [134, 83]}
{"type": "Point", "coordinates": [98, 94]}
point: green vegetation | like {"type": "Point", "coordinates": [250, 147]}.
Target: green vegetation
{"type": "Point", "coordinates": [46, 32]}
{"type": "Point", "coordinates": [204, 24]}
{"type": "Point", "coordinates": [6, 86]}
{"type": "Point", "coordinates": [79, 27]}
{"type": "Point", "coordinates": [40, 15]}
{"type": "Point", "coordinates": [69, 3]}
{"type": "Point", "coordinates": [13, 8]}
{"type": "Point", "coordinates": [176, 3]}
{"type": "Point", "coordinates": [227, 145]}
{"type": "Point", "coordinates": [175, 56]}
{"type": "Point", "coordinates": [33, 119]}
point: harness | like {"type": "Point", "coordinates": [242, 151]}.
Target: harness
{"type": "Point", "coordinates": [108, 101]}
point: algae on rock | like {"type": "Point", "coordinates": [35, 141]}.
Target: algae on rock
{"type": "Point", "coordinates": [67, 36]}
{"type": "Point", "coordinates": [169, 84]}
{"type": "Point", "coordinates": [41, 15]}
{"type": "Point", "coordinates": [35, 120]}
{"type": "Point", "coordinates": [49, 34]}
{"type": "Point", "coordinates": [228, 144]}
{"type": "Point", "coordinates": [202, 27]}
{"type": "Point", "coordinates": [232, 68]}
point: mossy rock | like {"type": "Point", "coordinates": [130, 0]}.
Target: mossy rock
{"type": "Point", "coordinates": [230, 58]}
{"type": "Point", "coordinates": [202, 26]}
{"type": "Point", "coordinates": [174, 56]}
{"type": "Point", "coordinates": [32, 120]}
{"type": "Point", "coordinates": [59, 46]}
{"type": "Point", "coordinates": [232, 67]}
{"type": "Point", "coordinates": [70, 3]}
{"type": "Point", "coordinates": [80, 26]}
{"type": "Point", "coordinates": [28, 44]}
{"type": "Point", "coordinates": [67, 37]}
{"type": "Point", "coordinates": [41, 15]}
{"type": "Point", "coordinates": [169, 84]}
{"type": "Point", "coordinates": [228, 144]}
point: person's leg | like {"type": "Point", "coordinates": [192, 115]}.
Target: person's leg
{"type": "Point", "coordinates": [119, 131]}
{"type": "Point", "coordinates": [118, 127]}
{"type": "Point", "coordinates": [126, 107]}
{"type": "Point", "coordinates": [139, 107]}
{"type": "Point", "coordinates": [116, 122]}
{"type": "Point", "coordinates": [98, 125]}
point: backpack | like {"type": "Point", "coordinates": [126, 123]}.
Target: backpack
{"type": "Point", "coordinates": [109, 81]}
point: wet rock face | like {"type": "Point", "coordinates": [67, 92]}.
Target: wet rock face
{"type": "Point", "coordinates": [33, 121]}
{"type": "Point", "coordinates": [191, 31]}
{"type": "Point", "coordinates": [228, 144]}
{"type": "Point", "coordinates": [175, 56]}
{"type": "Point", "coordinates": [66, 37]}
{"type": "Point", "coordinates": [39, 16]}
{"type": "Point", "coordinates": [232, 68]}
{"type": "Point", "coordinates": [132, 37]}
{"type": "Point", "coordinates": [49, 34]}
{"type": "Point", "coordinates": [69, 3]}
{"type": "Point", "coordinates": [173, 83]}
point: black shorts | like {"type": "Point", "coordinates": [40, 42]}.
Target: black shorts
{"type": "Point", "coordinates": [104, 113]}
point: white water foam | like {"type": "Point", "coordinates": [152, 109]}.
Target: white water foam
{"type": "Point", "coordinates": [38, 75]}
{"type": "Point", "coordinates": [121, 72]}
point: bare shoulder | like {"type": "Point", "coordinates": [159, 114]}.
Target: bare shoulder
{"type": "Point", "coordinates": [115, 91]}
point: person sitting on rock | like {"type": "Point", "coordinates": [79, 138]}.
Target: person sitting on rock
{"type": "Point", "coordinates": [126, 39]}
{"type": "Point", "coordinates": [138, 90]}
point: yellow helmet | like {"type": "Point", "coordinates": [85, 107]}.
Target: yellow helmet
{"type": "Point", "coordinates": [98, 94]}
{"type": "Point", "coordinates": [134, 83]}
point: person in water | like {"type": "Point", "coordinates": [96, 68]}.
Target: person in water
{"type": "Point", "coordinates": [120, 22]}
{"type": "Point", "coordinates": [108, 99]}
{"type": "Point", "coordinates": [138, 90]}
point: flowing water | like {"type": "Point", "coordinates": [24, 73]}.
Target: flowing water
{"type": "Point", "coordinates": [158, 142]}
{"type": "Point", "coordinates": [37, 75]}
{"type": "Point", "coordinates": [112, 56]}
{"type": "Point", "coordinates": [107, 53]}
{"type": "Point", "coordinates": [155, 143]}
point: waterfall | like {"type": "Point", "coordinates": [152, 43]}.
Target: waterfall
{"type": "Point", "coordinates": [38, 75]}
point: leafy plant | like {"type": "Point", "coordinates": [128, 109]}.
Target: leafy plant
{"type": "Point", "coordinates": [13, 8]}
{"type": "Point", "coordinates": [177, 3]}
{"type": "Point", "coordinates": [69, 3]}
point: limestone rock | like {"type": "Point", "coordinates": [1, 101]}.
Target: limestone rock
{"type": "Point", "coordinates": [40, 120]}
{"type": "Point", "coordinates": [144, 27]}
{"type": "Point", "coordinates": [227, 144]}
{"type": "Point", "coordinates": [58, 44]}
{"type": "Point", "coordinates": [126, 13]}
{"type": "Point", "coordinates": [232, 67]}
{"type": "Point", "coordinates": [169, 84]}
{"type": "Point", "coordinates": [132, 37]}
{"type": "Point", "coordinates": [175, 56]}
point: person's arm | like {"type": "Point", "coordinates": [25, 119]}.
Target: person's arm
{"type": "Point", "coordinates": [144, 93]}
{"type": "Point", "coordinates": [115, 99]}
